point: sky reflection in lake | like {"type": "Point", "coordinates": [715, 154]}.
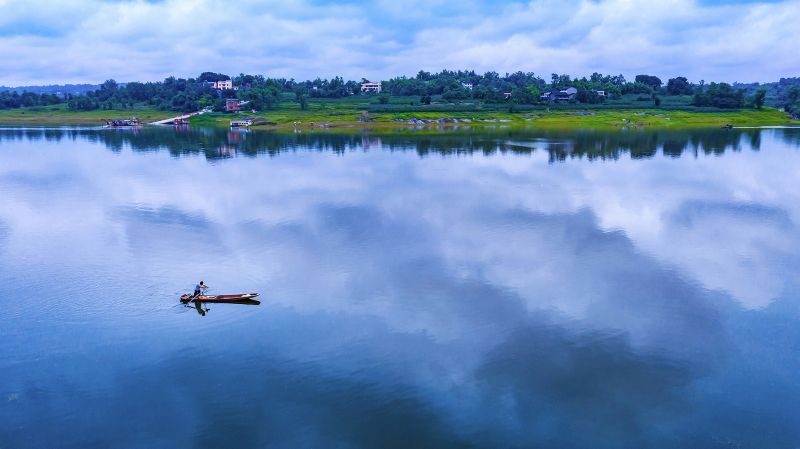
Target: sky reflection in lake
{"type": "Point", "coordinates": [486, 289]}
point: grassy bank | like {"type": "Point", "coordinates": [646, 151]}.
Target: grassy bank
{"type": "Point", "coordinates": [366, 112]}
{"type": "Point", "coordinates": [60, 115]}
{"type": "Point", "coordinates": [554, 119]}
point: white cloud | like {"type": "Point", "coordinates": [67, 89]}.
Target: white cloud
{"type": "Point", "coordinates": [90, 41]}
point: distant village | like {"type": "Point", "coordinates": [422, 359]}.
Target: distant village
{"type": "Point", "coordinates": [218, 92]}
{"type": "Point", "coordinates": [568, 94]}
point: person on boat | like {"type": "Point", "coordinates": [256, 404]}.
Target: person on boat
{"type": "Point", "coordinates": [199, 289]}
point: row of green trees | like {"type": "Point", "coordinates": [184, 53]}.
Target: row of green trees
{"type": "Point", "coordinates": [13, 100]}
{"type": "Point", "coordinates": [261, 93]}
{"type": "Point", "coordinates": [179, 94]}
{"type": "Point", "coordinates": [778, 94]}
{"type": "Point", "coordinates": [526, 88]}
{"type": "Point", "coordinates": [173, 94]}
{"type": "Point", "coordinates": [793, 101]}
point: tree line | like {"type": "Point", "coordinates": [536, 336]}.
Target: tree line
{"type": "Point", "coordinates": [784, 93]}
{"type": "Point", "coordinates": [262, 93]}
{"type": "Point", "coordinates": [14, 100]}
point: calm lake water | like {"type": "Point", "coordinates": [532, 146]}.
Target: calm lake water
{"type": "Point", "coordinates": [495, 289]}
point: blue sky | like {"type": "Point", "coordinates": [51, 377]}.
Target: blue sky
{"type": "Point", "coordinates": [90, 41]}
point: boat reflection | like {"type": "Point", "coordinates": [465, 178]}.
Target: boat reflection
{"type": "Point", "coordinates": [200, 309]}
{"type": "Point", "coordinates": [203, 309]}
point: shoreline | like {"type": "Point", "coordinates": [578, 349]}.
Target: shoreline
{"type": "Point", "coordinates": [610, 119]}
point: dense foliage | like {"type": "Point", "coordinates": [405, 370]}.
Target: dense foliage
{"type": "Point", "coordinates": [257, 92]}
{"type": "Point", "coordinates": [679, 86]}
{"type": "Point", "coordinates": [56, 89]}
{"type": "Point", "coordinates": [518, 87]}
{"type": "Point", "coordinates": [653, 82]}
{"type": "Point", "coordinates": [721, 95]}
{"type": "Point", "coordinates": [782, 94]}
{"type": "Point", "coordinates": [13, 100]}
{"type": "Point", "coordinates": [792, 104]}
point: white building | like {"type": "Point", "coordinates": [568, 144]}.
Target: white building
{"type": "Point", "coordinates": [224, 84]}
{"type": "Point", "coordinates": [371, 87]}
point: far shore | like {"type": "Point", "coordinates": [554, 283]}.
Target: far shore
{"type": "Point", "coordinates": [320, 118]}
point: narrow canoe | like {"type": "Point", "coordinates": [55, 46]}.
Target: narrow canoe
{"type": "Point", "coordinates": [245, 298]}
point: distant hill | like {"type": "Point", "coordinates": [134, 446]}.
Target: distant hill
{"type": "Point", "coordinates": [58, 89]}
{"type": "Point", "coordinates": [777, 92]}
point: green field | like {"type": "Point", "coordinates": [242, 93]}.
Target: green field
{"type": "Point", "coordinates": [629, 111]}
{"type": "Point", "coordinates": [60, 115]}
{"type": "Point", "coordinates": [344, 115]}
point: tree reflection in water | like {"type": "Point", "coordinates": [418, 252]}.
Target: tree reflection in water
{"type": "Point", "coordinates": [559, 145]}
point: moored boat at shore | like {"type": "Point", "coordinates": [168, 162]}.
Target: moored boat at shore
{"type": "Point", "coordinates": [241, 123]}
{"type": "Point", "coordinates": [118, 122]}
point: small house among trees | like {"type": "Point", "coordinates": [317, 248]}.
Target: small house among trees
{"type": "Point", "coordinates": [370, 87]}
{"type": "Point", "coordinates": [568, 94]}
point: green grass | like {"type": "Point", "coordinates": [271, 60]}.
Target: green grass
{"type": "Point", "coordinates": [660, 119]}
{"type": "Point", "coordinates": [347, 113]}
{"type": "Point", "coordinates": [60, 115]}
{"type": "Point", "coordinates": [332, 114]}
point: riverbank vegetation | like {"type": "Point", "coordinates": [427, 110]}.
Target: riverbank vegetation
{"type": "Point", "coordinates": [60, 114]}
{"type": "Point", "coordinates": [359, 112]}
{"type": "Point", "coordinates": [512, 90]}
{"type": "Point", "coordinates": [335, 115]}
{"type": "Point", "coordinates": [446, 98]}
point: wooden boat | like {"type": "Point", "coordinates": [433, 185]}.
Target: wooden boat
{"type": "Point", "coordinates": [242, 298]}
{"type": "Point", "coordinates": [241, 123]}
{"type": "Point", "coordinates": [114, 123]}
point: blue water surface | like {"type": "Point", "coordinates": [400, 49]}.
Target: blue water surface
{"type": "Point", "coordinates": [462, 288]}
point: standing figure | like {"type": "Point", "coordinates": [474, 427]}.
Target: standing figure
{"type": "Point", "coordinates": [199, 289]}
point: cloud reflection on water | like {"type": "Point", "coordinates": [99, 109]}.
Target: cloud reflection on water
{"type": "Point", "coordinates": [449, 302]}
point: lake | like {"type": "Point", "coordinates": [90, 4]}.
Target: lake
{"type": "Point", "coordinates": [424, 288]}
